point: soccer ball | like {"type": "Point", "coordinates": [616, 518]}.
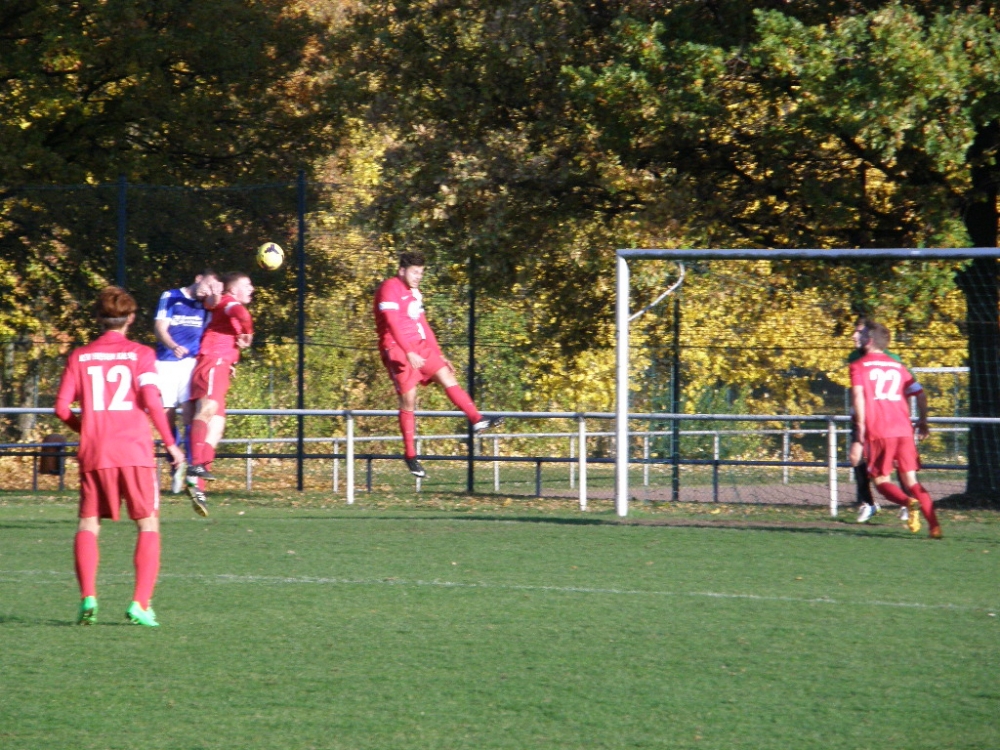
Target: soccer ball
{"type": "Point", "coordinates": [270, 256]}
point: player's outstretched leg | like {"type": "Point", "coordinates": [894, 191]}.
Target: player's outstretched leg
{"type": "Point", "coordinates": [198, 502]}
{"type": "Point", "coordinates": [416, 468]}
{"type": "Point", "coordinates": [486, 423]}
{"type": "Point", "coordinates": [926, 504]}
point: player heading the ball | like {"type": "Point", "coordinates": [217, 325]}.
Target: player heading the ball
{"type": "Point", "coordinates": [412, 356]}
{"type": "Point", "coordinates": [229, 331]}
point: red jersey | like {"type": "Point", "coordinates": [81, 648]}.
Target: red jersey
{"type": "Point", "coordinates": [115, 381]}
{"type": "Point", "coordinates": [399, 316]}
{"type": "Point", "coordinates": [886, 385]}
{"type": "Point", "coordinates": [229, 319]}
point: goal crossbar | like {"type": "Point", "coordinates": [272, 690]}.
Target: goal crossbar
{"type": "Point", "coordinates": [622, 274]}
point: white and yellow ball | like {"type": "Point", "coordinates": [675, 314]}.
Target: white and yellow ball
{"type": "Point", "coordinates": [270, 256]}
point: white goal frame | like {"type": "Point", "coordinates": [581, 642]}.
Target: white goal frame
{"type": "Point", "coordinates": [622, 274]}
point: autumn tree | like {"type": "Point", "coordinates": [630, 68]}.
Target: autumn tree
{"type": "Point", "coordinates": [170, 93]}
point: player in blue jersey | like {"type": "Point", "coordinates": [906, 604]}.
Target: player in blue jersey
{"type": "Point", "coordinates": [181, 318]}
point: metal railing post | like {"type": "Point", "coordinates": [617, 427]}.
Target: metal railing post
{"type": "Point", "coordinates": [496, 464]}
{"type": "Point", "coordinates": [336, 465]}
{"type": "Point", "coordinates": [350, 458]}
{"type": "Point", "coordinates": [249, 461]}
{"type": "Point", "coordinates": [582, 460]}
{"type": "Point", "coordinates": [785, 454]}
{"type": "Point", "coordinates": [831, 430]}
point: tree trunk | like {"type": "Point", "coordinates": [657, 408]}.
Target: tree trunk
{"type": "Point", "coordinates": [980, 283]}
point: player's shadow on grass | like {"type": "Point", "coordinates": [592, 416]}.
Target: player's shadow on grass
{"type": "Point", "coordinates": [36, 621]}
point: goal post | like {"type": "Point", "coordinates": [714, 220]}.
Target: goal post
{"type": "Point", "coordinates": [622, 313]}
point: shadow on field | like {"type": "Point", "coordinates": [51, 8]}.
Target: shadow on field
{"type": "Point", "coordinates": [844, 527]}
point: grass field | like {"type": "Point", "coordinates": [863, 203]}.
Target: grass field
{"type": "Point", "coordinates": [445, 622]}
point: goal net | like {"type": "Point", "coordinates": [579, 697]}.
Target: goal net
{"type": "Point", "coordinates": [735, 388]}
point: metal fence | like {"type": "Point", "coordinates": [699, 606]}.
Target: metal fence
{"type": "Point", "coordinates": [724, 458]}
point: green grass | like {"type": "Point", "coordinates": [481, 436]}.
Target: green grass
{"type": "Point", "coordinates": [444, 622]}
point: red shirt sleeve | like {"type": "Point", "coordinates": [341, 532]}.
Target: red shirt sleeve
{"type": "Point", "coordinates": [240, 318]}
{"type": "Point", "coordinates": [66, 396]}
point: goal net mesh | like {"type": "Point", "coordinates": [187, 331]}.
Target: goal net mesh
{"type": "Point", "coordinates": [759, 338]}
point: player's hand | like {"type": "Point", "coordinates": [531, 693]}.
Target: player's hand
{"type": "Point", "coordinates": [449, 365]}
{"type": "Point", "coordinates": [923, 430]}
{"type": "Point", "coordinates": [415, 360]}
{"type": "Point", "coordinates": [855, 454]}
{"type": "Point", "coordinates": [243, 340]}
{"type": "Point", "coordinates": [232, 372]}
{"type": "Point", "coordinates": [180, 351]}
{"type": "Point", "coordinates": [176, 455]}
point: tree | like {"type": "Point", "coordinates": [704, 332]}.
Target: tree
{"type": "Point", "coordinates": [516, 128]}
{"type": "Point", "coordinates": [171, 93]}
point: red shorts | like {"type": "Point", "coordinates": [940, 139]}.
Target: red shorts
{"type": "Point", "coordinates": [886, 454]}
{"type": "Point", "coordinates": [404, 377]}
{"type": "Point", "coordinates": [101, 492]}
{"type": "Point", "coordinates": [211, 380]}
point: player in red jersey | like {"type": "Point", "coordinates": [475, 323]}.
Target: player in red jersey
{"type": "Point", "coordinates": [867, 505]}
{"type": "Point", "coordinates": [115, 381]}
{"type": "Point", "coordinates": [884, 434]}
{"type": "Point", "coordinates": [411, 354]}
{"type": "Point", "coordinates": [229, 331]}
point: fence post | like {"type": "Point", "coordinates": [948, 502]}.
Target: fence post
{"type": "Point", "coordinates": [350, 458]}
{"type": "Point", "coordinates": [420, 450]}
{"type": "Point", "coordinates": [645, 456]}
{"type": "Point", "coordinates": [784, 455]}
{"type": "Point", "coordinates": [336, 465]}
{"type": "Point", "coordinates": [249, 465]}
{"type": "Point", "coordinates": [496, 464]}
{"type": "Point", "coordinates": [831, 431]}
{"type": "Point", "coordinates": [582, 460]}
{"type": "Point", "coordinates": [572, 466]}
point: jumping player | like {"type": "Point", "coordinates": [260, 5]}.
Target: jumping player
{"type": "Point", "coordinates": [867, 505]}
{"type": "Point", "coordinates": [411, 354]}
{"type": "Point", "coordinates": [179, 323]}
{"type": "Point", "coordinates": [883, 430]}
{"type": "Point", "coordinates": [229, 330]}
{"type": "Point", "coordinates": [115, 381]}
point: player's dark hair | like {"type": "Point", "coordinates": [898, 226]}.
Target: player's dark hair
{"type": "Point", "coordinates": [411, 259]}
{"type": "Point", "coordinates": [878, 334]}
{"type": "Point", "coordinates": [113, 307]}
{"type": "Point", "coordinates": [229, 279]}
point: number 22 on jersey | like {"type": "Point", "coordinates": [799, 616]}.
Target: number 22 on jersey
{"type": "Point", "coordinates": [887, 384]}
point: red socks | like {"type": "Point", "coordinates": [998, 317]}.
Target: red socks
{"type": "Point", "coordinates": [926, 504]}
{"type": "Point", "coordinates": [461, 399]}
{"type": "Point", "coordinates": [199, 431]}
{"type": "Point", "coordinates": [147, 566]}
{"type": "Point", "coordinates": [408, 426]}
{"type": "Point", "coordinates": [87, 555]}
{"type": "Point", "coordinates": [892, 493]}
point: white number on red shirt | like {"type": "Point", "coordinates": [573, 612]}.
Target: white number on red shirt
{"type": "Point", "coordinates": [887, 384]}
{"type": "Point", "coordinates": [118, 374]}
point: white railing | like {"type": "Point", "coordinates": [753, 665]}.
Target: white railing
{"type": "Point", "coordinates": [346, 445]}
